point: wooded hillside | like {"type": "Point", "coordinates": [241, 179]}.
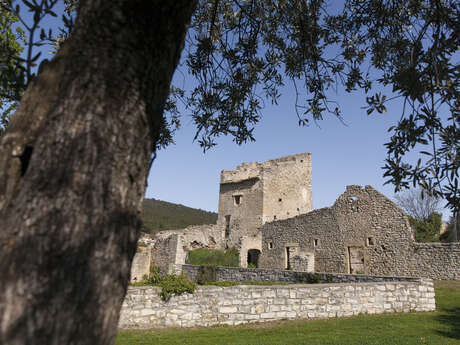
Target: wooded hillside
{"type": "Point", "coordinates": [161, 215]}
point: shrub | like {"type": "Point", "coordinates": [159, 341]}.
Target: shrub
{"type": "Point", "coordinates": [173, 284]}
{"type": "Point", "coordinates": [427, 230]}
{"type": "Point", "coordinates": [155, 276]}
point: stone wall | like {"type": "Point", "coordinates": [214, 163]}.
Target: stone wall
{"type": "Point", "coordinates": [436, 260]}
{"type": "Point", "coordinates": [171, 247]}
{"type": "Point", "coordinates": [254, 193]}
{"type": "Point", "coordinates": [287, 189]}
{"type": "Point", "coordinates": [363, 232]}
{"type": "Point", "coordinates": [242, 219]}
{"type": "Point", "coordinates": [141, 264]}
{"type": "Point", "coordinates": [300, 233]}
{"type": "Point", "coordinates": [212, 305]}
{"type": "Point", "coordinates": [238, 274]}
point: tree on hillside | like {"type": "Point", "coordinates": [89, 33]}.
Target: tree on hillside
{"type": "Point", "coordinates": [76, 154]}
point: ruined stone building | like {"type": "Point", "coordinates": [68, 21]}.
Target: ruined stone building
{"type": "Point", "coordinates": [256, 193]}
{"type": "Point", "coordinates": [265, 211]}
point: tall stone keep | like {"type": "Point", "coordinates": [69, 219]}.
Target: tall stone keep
{"type": "Point", "coordinates": [256, 193]}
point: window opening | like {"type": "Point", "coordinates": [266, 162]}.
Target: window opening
{"type": "Point", "coordinates": [270, 245]}
{"type": "Point", "coordinates": [237, 199]}
{"type": "Point", "coordinates": [370, 241]}
{"type": "Point", "coordinates": [227, 226]}
{"type": "Point", "coordinates": [316, 242]}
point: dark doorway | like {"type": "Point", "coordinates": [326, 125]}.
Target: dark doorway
{"type": "Point", "coordinates": [288, 258]}
{"type": "Point", "coordinates": [253, 258]}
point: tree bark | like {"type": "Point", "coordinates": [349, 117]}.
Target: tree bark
{"type": "Point", "coordinates": [73, 168]}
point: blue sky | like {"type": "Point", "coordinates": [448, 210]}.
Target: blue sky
{"type": "Point", "coordinates": [343, 153]}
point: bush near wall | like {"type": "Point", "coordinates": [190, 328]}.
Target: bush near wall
{"type": "Point", "coordinates": [171, 284]}
{"type": "Point", "coordinates": [427, 230]}
{"type": "Point", "coordinates": [213, 257]}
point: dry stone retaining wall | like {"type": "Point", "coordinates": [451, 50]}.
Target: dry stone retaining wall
{"type": "Point", "coordinates": [212, 305]}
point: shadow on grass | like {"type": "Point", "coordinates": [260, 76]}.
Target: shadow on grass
{"type": "Point", "coordinates": [450, 318]}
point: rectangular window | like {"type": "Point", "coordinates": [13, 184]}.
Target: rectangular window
{"type": "Point", "coordinates": [227, 226]}
{"type": "Point", "coordinates": [316, 242]}
{"type": "Point", "coordinates": [237, 199]}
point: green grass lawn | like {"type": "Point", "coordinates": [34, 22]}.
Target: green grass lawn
{"type": "Point", "coordinates": [441, 327]}
{"type": "Point", "coordinates": [214, 257]}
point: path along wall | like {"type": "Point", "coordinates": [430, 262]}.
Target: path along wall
{"type": "Point", "coordinates": [212, 305]}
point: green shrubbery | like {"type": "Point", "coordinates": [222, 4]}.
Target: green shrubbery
{"type": "Point", "coordinates": [427, 230]}
{"type": "Point", "coordinates": [214, 257]}
{"type": "Point", "coordinates": [171, 284]}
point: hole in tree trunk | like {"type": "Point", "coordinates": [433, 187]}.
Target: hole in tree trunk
{"type": "Point", "coordinates": [25, 158]}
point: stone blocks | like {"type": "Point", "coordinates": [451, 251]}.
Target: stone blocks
{"type": "Point", "coordinates": [211, 305]}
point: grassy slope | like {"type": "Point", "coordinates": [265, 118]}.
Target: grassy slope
{"type": "Point", "coordinates": [161, 215]}
{"type": "Point", "coordinates": [210, 257]}
{"type": "Point", "coordinates": [441, 327]}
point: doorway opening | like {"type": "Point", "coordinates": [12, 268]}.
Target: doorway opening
{"type": "Point", "coordinates": [253, 258]}
{"type": "Point", "coordinates": [356, 260]}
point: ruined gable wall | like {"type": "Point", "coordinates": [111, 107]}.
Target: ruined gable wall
{"type": "Point", "coordinates": [303, 230]}
{"type": "Point", "coordinates": [369, 220]}
{"type": "Point", "coordinates": [328, 233]}
{"type": "Point", "coordinates": [365, 219]}
{"type": "Point", "coordinates": [287, 189]}
{"type": "Point", "coordinates": [171, 247]}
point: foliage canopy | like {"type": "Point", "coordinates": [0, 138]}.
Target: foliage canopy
{"type": "Point", "coordinates": [241, 53]}
{"type": "Point", "coordinates": [427, 230]}
{"type": "Point", "coordinates": [12, 83]}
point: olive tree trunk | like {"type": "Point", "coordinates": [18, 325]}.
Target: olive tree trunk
{"type": "Point", "coordinates": [73, 168]}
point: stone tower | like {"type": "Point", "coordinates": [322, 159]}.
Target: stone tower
{"type": "Point", "coordinates": [256, 193]}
